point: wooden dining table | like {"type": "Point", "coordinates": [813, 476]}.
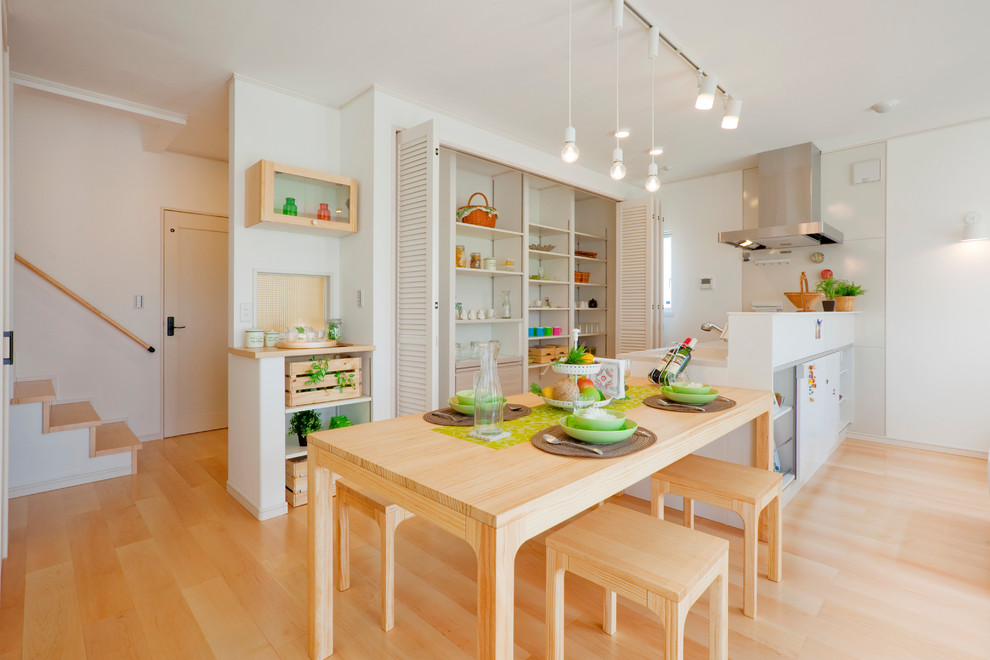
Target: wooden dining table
{"type": "Point", "coordinates": [494, 499]}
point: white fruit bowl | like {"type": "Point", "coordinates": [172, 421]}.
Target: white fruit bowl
{"type": "Point", "coordinates": [576, 369]}
{"type": "Point", "coordinates": [569, 405]}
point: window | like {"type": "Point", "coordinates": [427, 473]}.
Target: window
{"type": "Point", "coordinates": [666, 273]}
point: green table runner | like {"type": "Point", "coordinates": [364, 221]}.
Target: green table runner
{"type": "Point", "coordinates": [544, 416]}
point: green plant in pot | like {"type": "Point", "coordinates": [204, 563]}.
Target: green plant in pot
{"type": "Point", "coordinates": [303, 423]}
{"type": "Point", "coordinates": [845, 295]}
{"type": "Point", "coordinates": [828, 286]}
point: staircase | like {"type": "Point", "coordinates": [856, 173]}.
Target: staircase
{"type": "Point", "coordinates": [57, 445]}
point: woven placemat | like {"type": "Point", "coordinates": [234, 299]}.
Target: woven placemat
{"type": "Point", "coordinates": [450, 417]}
{"type": "Point", "coordinates": [642, 439]}
{"type": "Point", "coordinates": [661, 403]}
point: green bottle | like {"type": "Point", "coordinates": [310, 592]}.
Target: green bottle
{"type": "Point", "coordinates": [289, 208]}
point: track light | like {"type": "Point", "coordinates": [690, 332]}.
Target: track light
{"type": "Point", "coordinates": [733, 106]}
{"type": "Point", "coordinates": [570, 152]}
{"type": "Point", "coordinates": [652, 181]}
{"type": "Point", "coordinates": [618, 169]}
{"type": "Point", "coordinates": [706, 92]}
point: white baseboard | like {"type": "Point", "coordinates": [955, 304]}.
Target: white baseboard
{"type": "Point", "coordinates": [884, 440]}
{"type": "Point", "coordinates": [148, 437]}
{"type": "Point", "coordinates": [260, 514]}
{"type": "Point", "coordinates": [66, 482]}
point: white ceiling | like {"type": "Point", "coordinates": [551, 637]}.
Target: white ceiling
{"type": "Point", "coordinates": [807, 70]}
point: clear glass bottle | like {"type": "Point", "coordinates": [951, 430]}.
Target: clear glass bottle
{"type": "Point", "coordinates": [488, 394]}
{"type": "Point", "coordinates": [506, 305]}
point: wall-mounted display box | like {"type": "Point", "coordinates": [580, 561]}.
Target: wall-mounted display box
{"type": "Point", "coordinates": [323, 203]}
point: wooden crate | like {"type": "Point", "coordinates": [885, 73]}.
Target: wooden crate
{"type": "Point", "coordinates": [300, 393]}
{"type": "Point", "coordinates": [295, 499]}
{"type": "Point", "coordinates": [296, 484]}
{"type": "Point", "coordinates": [559, 351]}
{"type": "Point", "coordinates": [295, 467]}
{"type": "Point", "coordinates": [542, 354]}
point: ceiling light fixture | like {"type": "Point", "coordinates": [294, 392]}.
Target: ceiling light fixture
{"type": "Point", "coordinates": [974, 228]}
{"type": "Point", "coordinates": [652, 180]}
{"type": "Point", "coordinates": [622, 133]}
{"type": "Point", "coordinates": [733, 106]}
{"type": "Point", "coordinates": [618, 169]}
{"type": "Point", "coordinates": [707, 85]}
{"type": "Point", "coordinates": [655, 151]}
{"type": "Point", "coordinates": [570, 152]}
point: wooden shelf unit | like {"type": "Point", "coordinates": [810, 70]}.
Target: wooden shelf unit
{"type": "Point", "coordinates": [269, 183]}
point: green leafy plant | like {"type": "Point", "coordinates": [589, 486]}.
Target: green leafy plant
{"type": "Point", "coordinates": [344, 379]}
{"type": "Point", "coordinates": [339, 422]}
{"type": "Point", "coordinates": [333, 330]}
{"type": "Point", "coordinates": [318, 370]}
{"type": "Point", "coordinates": [849, 289]}
{"type": "Point", "coordinates": [305, 422]}
{"type": "Point", "coordinates": [828, 286]}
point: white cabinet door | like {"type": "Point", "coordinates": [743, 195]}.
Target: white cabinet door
{"type": "Point", "coordinates": [637, 276]}
{"type": "Point", "coordinates": [417, 302]}
{"type": "Point", "coordinates": [818, 413]}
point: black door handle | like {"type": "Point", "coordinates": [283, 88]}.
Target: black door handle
{"type": "Point", "coordinates": [171, 327]}
{"type": "Point", "coordinates": [9, 357]}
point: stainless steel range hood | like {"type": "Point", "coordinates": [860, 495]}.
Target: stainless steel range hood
{"type": "Point", "coordinates": [790, 205]}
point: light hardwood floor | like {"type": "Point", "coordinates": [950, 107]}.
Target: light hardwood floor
{"type": "Point", "coordinates": [886, 555]}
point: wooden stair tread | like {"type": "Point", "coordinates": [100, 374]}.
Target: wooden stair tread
{"type": "Point", "coordinates": [739, 482]}
{"type": "Point", "coordinates": [67, 416]}
{"type": "Point", "coordinates": [33, 391]}
{"type": "Point", "coordinates": [115, 438]}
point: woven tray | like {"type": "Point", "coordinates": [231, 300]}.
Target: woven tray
{"type": "Point", "coordinates": [642, 439]}
{"type": "Point", "coordinates": [460, 419]}
{"type": "Point", "coordinates": [718, 404]}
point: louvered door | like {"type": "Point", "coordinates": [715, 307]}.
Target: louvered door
{"type": "Point", "coordinates": [638, 276]}
{"type": "Point", "coordinates": [416, 305]}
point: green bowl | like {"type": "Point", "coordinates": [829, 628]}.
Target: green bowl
{"type": "Point", "coordinates": [613, 422]}
{"type": "Point", "coordinates": [460, 407]}
{"type": "Point", "coordinates": [465, 397]}
{"type": "Point", "coordinates": [682, 388]}
{"type": "Point", "coordinates": [598, 437]}
{"type": "Point", "coordinates": [693, 399]}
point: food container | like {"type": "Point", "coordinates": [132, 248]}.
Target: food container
{"type": "Point", "coordinates": [254, 338]}
{"type": "Point", "coordinates": [459, 256]}
{"type": "Point", "coordinates": [475, 260]}
{"type": "Point", "coordinates": [489, 263]}
{"type": "Point", "coordinates": [271, 338]}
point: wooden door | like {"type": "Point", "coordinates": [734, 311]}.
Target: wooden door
{"type": "Point", "coordinates": [195, 354]}
{"type": "Point", "coordinates": [638, 275]}
{"type": "Point", "coordinates": [417, 302]}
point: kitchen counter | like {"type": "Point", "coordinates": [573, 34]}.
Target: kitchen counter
{"type": "Point", "coordinates": [259, 353]}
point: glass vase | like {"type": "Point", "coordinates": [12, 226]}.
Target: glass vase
{"type": "Point", "coordinates": [506, 305]}
{"type": "Point", "coordinates": [488, 394]}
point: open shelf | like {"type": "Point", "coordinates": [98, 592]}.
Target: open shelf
{"type": "Point", "coordinates": [557, 337]}
{"type": "Point", "coordinates": [787, 478]}
{"type": "Point", "coordinates": [547, 229]}
{"type": "Point", "coordinates": [490, 233]}
{"type": "Point", "coordinates": [548, 282]}
{"type": "Point", "coordinates": [591, 309]}
{"type": "Point", "coordinates": [590, 260]}
{"type": "Point", "coordinates": [595, 284]}
{"type": "Point", "coordinates": [549, 309]}
{"type": "Point", "coordinates": [329, 404]}
{"type": "Point", "coordinates": [482, 272]}
{"type": "Point", "coordinates": [540, 254]}
{"type": "Point", "coordinates": [589, 237]}
{"type": "Point", "coordinates": [486, 321]}
{"type": "Point", "coordinates": [782, 411]}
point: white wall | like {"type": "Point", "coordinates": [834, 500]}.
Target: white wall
{"type": "Point", "coordinates": [858, 211]}
{"type": "Point", "coordinates": [272, 125]}
{"type": "Point", "coordinates": [368, 127]}
{"type": "Point", "coordinates": [87, 208]}
{"type": "Point", "coordinates": [694, 212]}
{"type": "Point", "coordinates": [939, 309]}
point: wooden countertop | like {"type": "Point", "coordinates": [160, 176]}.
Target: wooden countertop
{"type": "Point", "coordinates": [259, 353]}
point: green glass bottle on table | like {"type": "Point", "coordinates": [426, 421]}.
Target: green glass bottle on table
{"type": "Point", "coordinates": [673, 363]}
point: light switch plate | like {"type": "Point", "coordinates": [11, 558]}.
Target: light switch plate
{"type": "Point", "coordinates": [245, 315]}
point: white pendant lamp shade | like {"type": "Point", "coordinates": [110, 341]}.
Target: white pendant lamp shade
{"type": "Point", "coordinates": [706, 92]}
{"type": "Point", "coordinates": [618, 169]}
{"type": "Point", "coordinates": [652, 181]}
{"type": "Point", "coordinates": [570, 152]}
{"type": "Point", "coordinates": [733, 107]}
{"type": "Point", "coordinates": [974, 228]}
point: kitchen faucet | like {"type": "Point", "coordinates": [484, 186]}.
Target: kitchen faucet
{"type": "Point", "coordinates": [708, 326]}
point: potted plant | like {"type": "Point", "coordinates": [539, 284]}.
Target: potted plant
{"type": "Point", "coordinates": [828, 286]}
{"type": "Point", "coordinates": [845, 295]}
{"type": "Point", "coordinates": [303, 423]}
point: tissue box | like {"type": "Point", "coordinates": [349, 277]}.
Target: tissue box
{"type": "Point", "coordinates": [612, 378]}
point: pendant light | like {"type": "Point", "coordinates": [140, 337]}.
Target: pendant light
{"type": "Point", "coordinates": [652, 180]}
{"type": "Point", "coordinates": [570, 152]}
{"type": "Point", "coordinates": [618, 169]}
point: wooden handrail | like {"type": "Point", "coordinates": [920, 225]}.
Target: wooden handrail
{"type": "Point", "coordinates": [67, 291]}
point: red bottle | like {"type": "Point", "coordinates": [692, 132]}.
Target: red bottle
{"type": "Point", "coordinates": [323, 213]}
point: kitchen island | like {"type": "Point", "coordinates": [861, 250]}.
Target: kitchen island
{"type": "Point", "coordinates": [494, 499]}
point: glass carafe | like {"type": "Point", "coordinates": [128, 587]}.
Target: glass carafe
{"type": "Point", "coordinates": [488, 394]}
{"type": "Point", "coordinates": [506, 305]}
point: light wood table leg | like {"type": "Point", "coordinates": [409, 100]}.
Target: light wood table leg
{"type": "Point", "coordinates": [775, 553]}
{"type": "Point", "coordinates": [496, 551]}
{"type": "Point", "coordinates": [320, 553]}
{"type": "Point", "coordinates": [764, 457]}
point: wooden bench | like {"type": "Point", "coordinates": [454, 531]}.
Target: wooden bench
{"type": "Point", "coordinates": [657, 564]}
{"type": "Point", "coordinates": [740, 488]}
{"type": "Point", "coordinates": [388, 516]}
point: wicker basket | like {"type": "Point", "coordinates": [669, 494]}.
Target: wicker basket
{"type": "Point", "coordinates": [581, 277]}
{"type": "Point", "coordinates": [804, 299]}
{"type": "Point", "coordinates": [471, 214]}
